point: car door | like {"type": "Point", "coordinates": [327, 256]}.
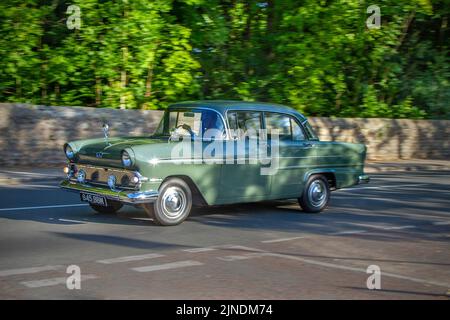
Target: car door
{"type": "Point", "coordinates": [296, 154]}
{"type": "Point", "coordinates": [241, 178]}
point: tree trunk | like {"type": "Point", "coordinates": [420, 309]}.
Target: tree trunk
{"type": "Point", "coordinates": [57, 92]}
{"type": "Point", "coordinates": [98, 91]}
{"type": "Point", "coordinates": [148, 82]}
{"type": "Point", "coordinates": [123, 79]}
{"type": "Point", "coordinates": [18, 87]}
{"type": "Point", "coordinates": [247, 38]}
{"type": "Point", "coordinates": [43, 84]}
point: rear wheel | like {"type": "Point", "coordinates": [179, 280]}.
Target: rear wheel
{"type": "Point", "coordinates": [113, 207]}
{"type": "Point", "coordinates": [316, 195]}
{"type": "Point", "coordinates": [173, 205]}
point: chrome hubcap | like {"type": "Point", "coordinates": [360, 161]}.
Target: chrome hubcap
{"type": "Point", "coordinates": [173, 202]}
{"type": "Point", "coordinates": [317, 193]}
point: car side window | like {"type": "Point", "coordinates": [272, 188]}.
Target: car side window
{"type": "Point", "coordinates": [297, 131]}
{"type": "Point", "coordinates": [232, 120]}
{"type": "Point", "coordinates": [288, 128]}
{"type": "Point", "coordinates": [245, 123]}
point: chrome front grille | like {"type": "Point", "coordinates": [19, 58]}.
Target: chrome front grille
{"type": "Point", "coordinates": [99, 176]}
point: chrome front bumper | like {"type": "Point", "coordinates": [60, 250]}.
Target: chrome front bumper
{"type": "Point", "coordinates": [124, 196]}
{"type": "Point", "coordinates": [363, 179]}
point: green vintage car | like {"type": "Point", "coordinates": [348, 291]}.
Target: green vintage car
{"type": "Point", "coordinates": [213, 153]}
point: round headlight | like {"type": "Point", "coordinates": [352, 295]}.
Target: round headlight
{"type": "Point", "coordinates": [126, 159]}
{"type": "Point", "coordinates": [69, 152]}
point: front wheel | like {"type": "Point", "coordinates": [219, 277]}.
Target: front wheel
{"type": "Point", "coordinates": [173, 205]}
{"type": "Point", "coordinates": [316, 195]}
{"type": "Point", "coordinates": [113, 207]}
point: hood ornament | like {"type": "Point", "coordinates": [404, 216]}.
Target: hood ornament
{"type": "Point", "coordinates": [106, 133]}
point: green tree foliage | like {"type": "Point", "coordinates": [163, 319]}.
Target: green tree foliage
{"type": "Point", "coordinates": [317, 56]}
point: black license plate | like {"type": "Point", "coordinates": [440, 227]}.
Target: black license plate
{"type": "Point", "coordinates": [94, 199]}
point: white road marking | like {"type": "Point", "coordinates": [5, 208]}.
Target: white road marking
{"type": "Point", "coordinates": [383, 187]}
{"type": "Point", "coordinates": [166, 266]}
{"type": "Point", "coordinates": [441, 223]}
{"type": "Point", "coordinates": [45, 186]}
{"type": "Point", "coordinates": [131, 258]}
{"type": "Point", "coordinates": [378, 226]}
{"type": "Point", "coordinates": [347, 232]}
{"type": "Point", "coordinates": [140, 219]}
{"type": "Point", "coordinates": [281, 239]}
{"type": "Point", "coordinates": [195, 250]}
{"type": "Point", "coordinates": [244, 256]}
{"type": "Point", "coordinates": [53, 281]}
{"type": "Point", "coordinates": [399, 228]}
{"type": "Point", "coordinates": [74, 221]}
{"type": "Point", "coordinates": [402, 215]}
{"type": "Point", "coordinates": [35, 174]}
{"type": "Point", "coordinates": [45, 207]}
{"type": "Point", "coordinates": [341, 267]}
{"type": "Point", "coordinates": [212, 248]}
{"type": "Point", "coordinates": [237, 247]}
{"type": "Point", "coordinates": [13, 272]}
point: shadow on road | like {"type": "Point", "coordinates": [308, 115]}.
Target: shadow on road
{"type": "Point", "coordinates": [119, 241]}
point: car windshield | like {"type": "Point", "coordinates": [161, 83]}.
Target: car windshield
{"type": "Point", "coordinates": [191, 122]}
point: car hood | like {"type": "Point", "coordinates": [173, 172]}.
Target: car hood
{"type": "Point", "coordinates": [102, 153]}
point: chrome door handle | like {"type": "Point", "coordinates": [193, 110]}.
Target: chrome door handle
{"type": "Point", "coordinates": [307, 145]}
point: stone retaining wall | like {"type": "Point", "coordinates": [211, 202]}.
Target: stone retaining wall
{"type": "Point", "coordinates": [34, 135]}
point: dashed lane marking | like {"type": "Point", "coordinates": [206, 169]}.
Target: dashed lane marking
{"type": "Point", "coordinates": [13, 272]}
{"type": "Point", "coordinates": [244, 256]}
{"type": "Point", "coordinates": [374, 226]}
{"type": "Point", "coordinates": [347, 232]}
{"type": "Point", "coordinates": [40, 186]}
{"type": "Point", "coordinates": [74, 221]}
{"type": "Point", "coordinates": [341, 267]}
{"type": "Point", "coordinates": [45, 207]}
{"type": "Point", "coordinates": [281, 239]}
{"type": "Point", "coordinates": [130, 258]}
{"type": "Point", "coordinates": [237, 247]}
{"type": "Point", "coordinates": [196, 250]}
{"type": "Point", "coordinates": [33, 174]}
{"type": "Point", "coordinates": [399, 228]}
{"type": "Point", "coordinates": [441, 223]}
{"type": "Point", "coordinates": [210, 248]}
{"type": "Point", "coordinates": [53, 281]}
{"type": "Point", "coordinates": [166, 266]}
{"type": "Point", "coordinates": [383, 187]}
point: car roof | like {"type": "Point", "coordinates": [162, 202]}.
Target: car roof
{"type": "Point", "coordinates": [222, 106]}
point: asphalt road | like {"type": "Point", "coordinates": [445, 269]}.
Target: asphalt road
{"type": "Point", "coordinates": [400, 222]}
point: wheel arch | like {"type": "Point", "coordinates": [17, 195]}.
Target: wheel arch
{"type": "Point", "coordinates": [328, 174]}
{"type": "Point", "coordinates": [197, 197]}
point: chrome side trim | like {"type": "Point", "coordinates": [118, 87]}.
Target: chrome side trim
{"type": "Point", "coordinates": [127, 197]}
